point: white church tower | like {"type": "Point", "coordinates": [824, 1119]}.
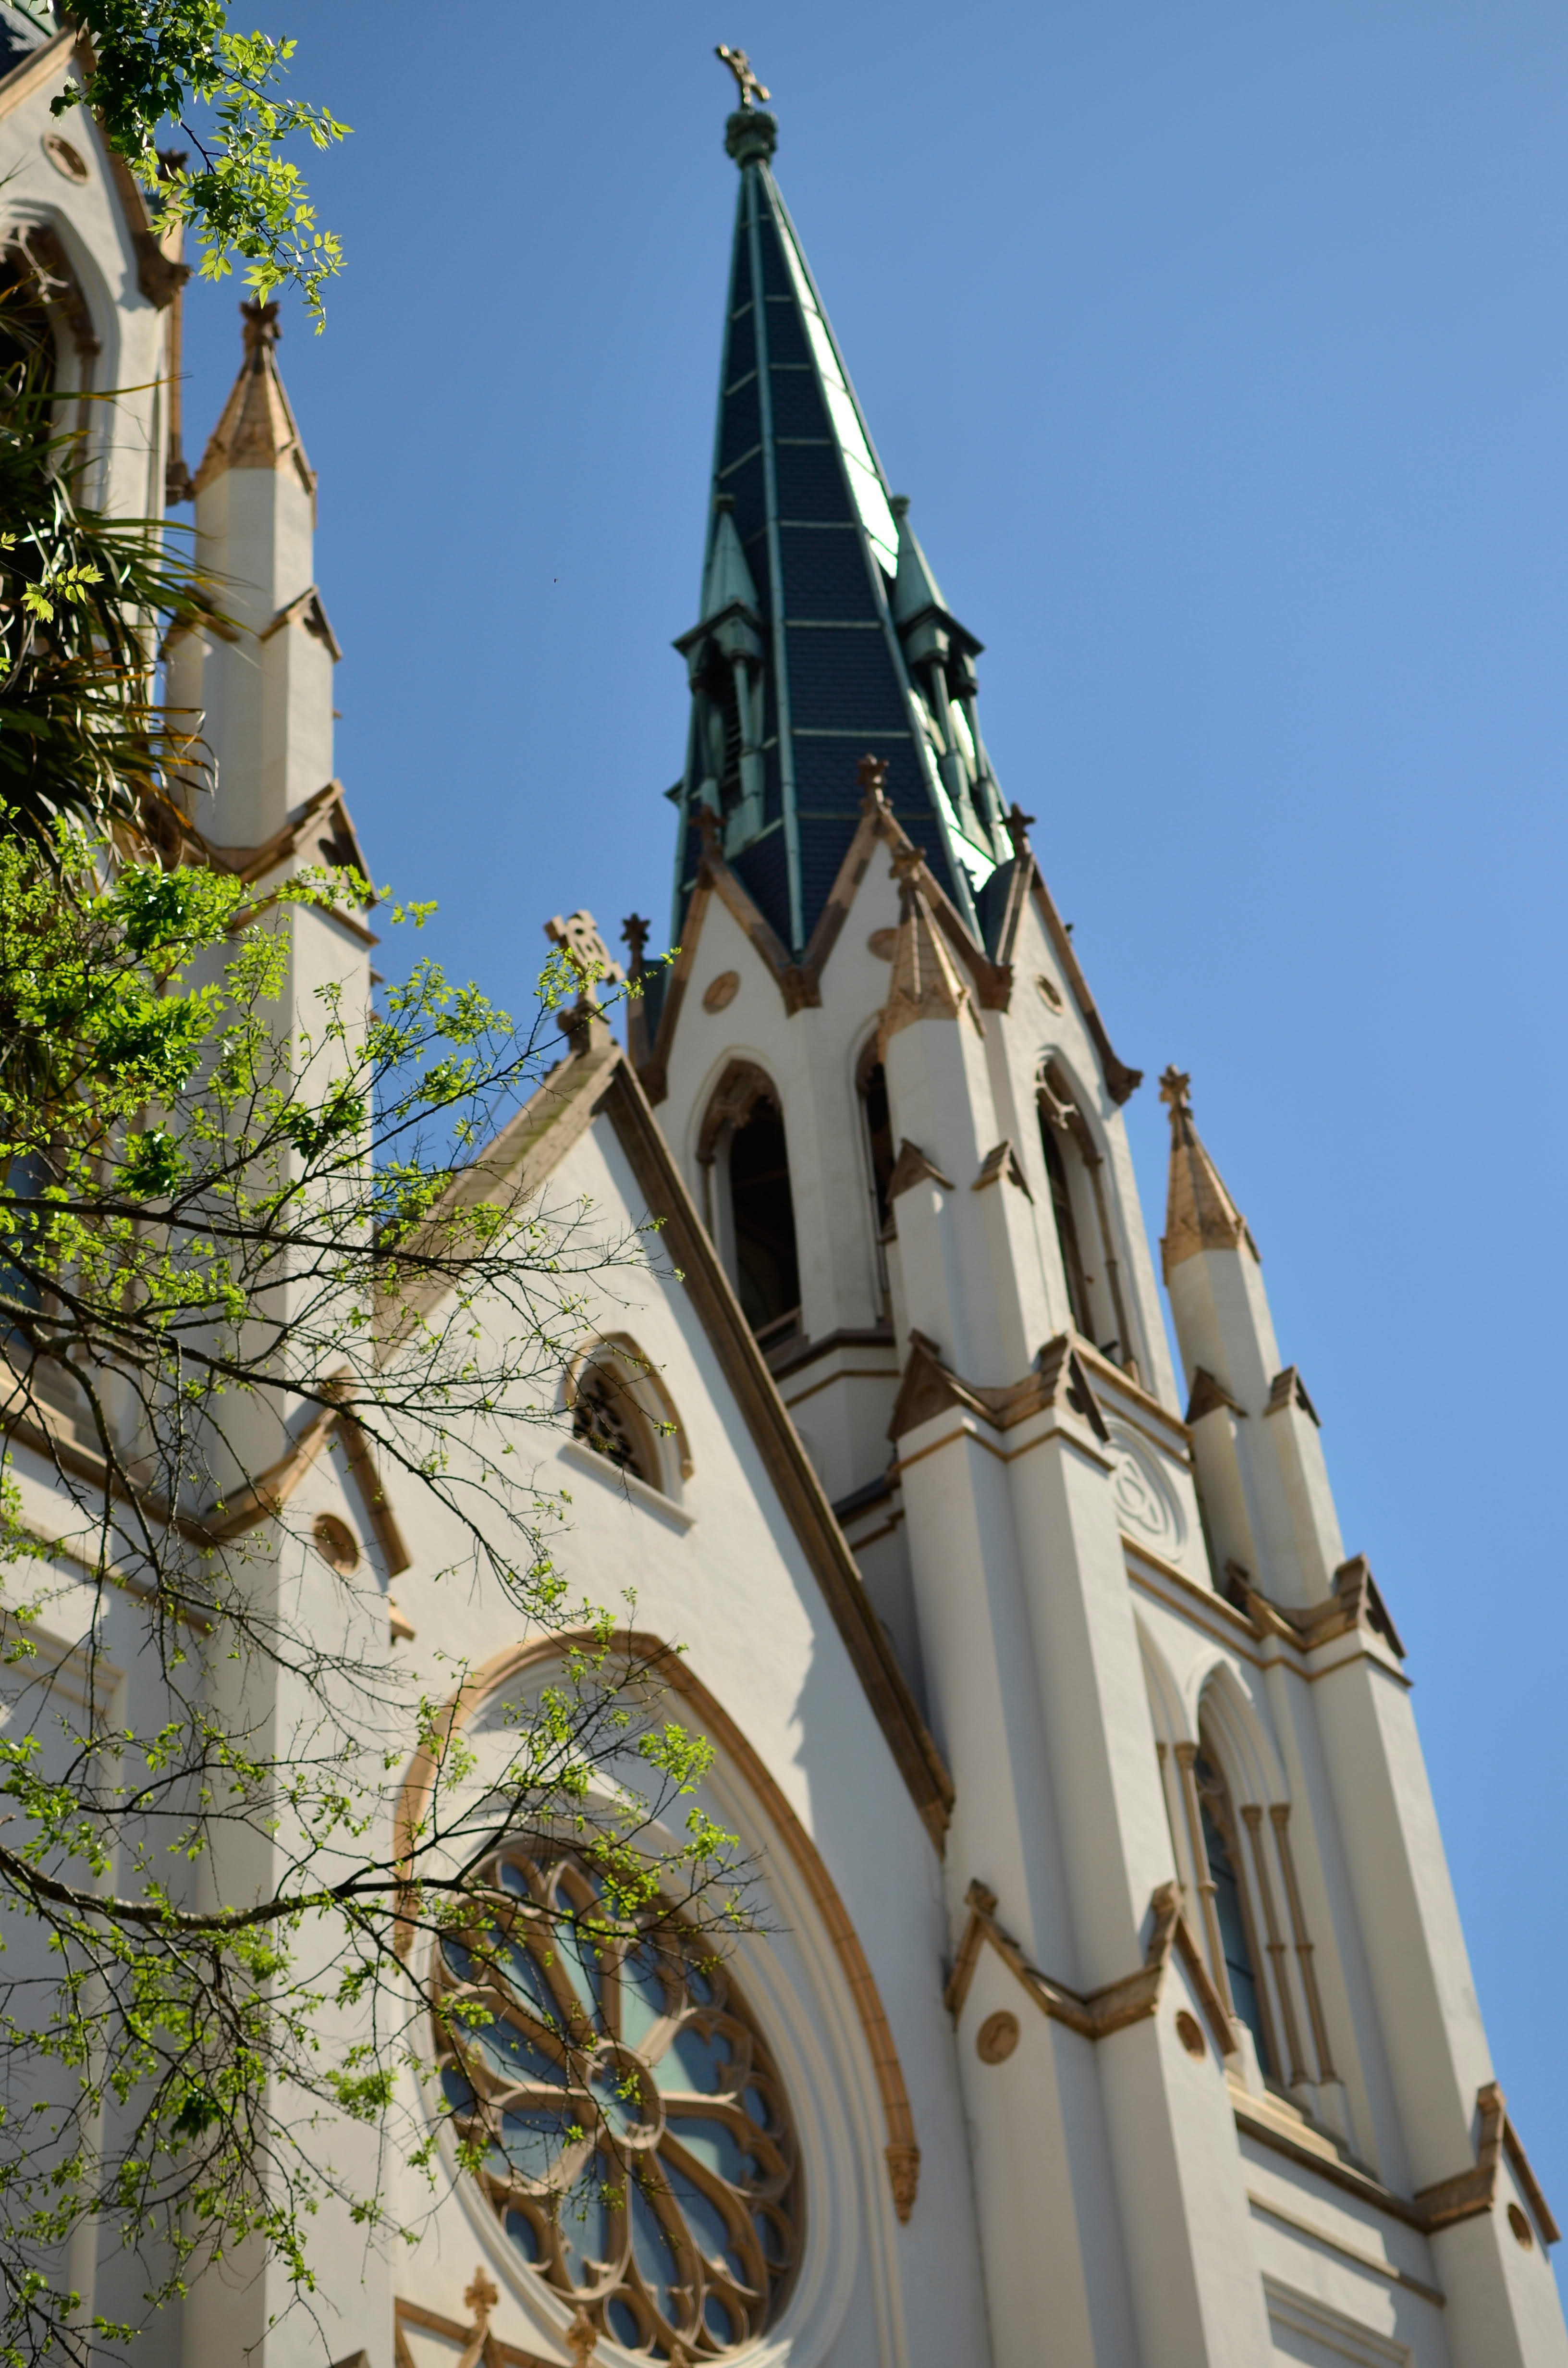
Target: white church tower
{"type": "Point", "coordinates": [1223, 2070]}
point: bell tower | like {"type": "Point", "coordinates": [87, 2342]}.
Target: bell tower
{"type": "Point", "coordinates": [1195, 1894]}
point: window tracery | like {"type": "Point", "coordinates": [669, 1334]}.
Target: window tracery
{"type": "Point", "coordinates": [637, 2145]}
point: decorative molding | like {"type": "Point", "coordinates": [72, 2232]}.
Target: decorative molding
{"type": "Point", "coordinates": [1288, 1389]}
{"type": "Point", "coordinates": [1471, 2192]}
{"type": "Point", "coordinates": [1279, 1819]}
{"type": "Point", "coordinates": [1002, 1162]}
{"type": "Point", "coordinates": [492, 2352]}
{"type": "Point", "coordinates": [1059, 1380]}
{"type": "Point", "coordinates": [44, 65]}
{"type": "Point", "coordinates": [1354, 1604]}
{"type": "Point", "coordinates": [1093, 2014]}
{"type": "Point", "coordinates": [722, 990]}
{"type": "Point", "coordinates": [654, 1659]}
{"type": "Point", "coordinates": [788, 1467]}
{"type": "Point", "coordinates": [913, 1166]}
{"type": "Point", "coordinates": [1208, 1396]}
{"type": "Point", "coordinates": [742, 1085]}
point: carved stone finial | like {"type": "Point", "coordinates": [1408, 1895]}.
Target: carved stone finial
{"type": "Point", "coordinates": [1017, 826]}
{"type": "Point", "coordinates": [1176, 1088]}
{"type": "Point", "coordinates": [481, 2298]}
{"type": "Point", "coordinates": [261, 329]}
{"type": "Point", "coordinates": [740, 66]}
{"type": "Point", "coordinates": [904, 2172]}
{"type": "Point", "coordinates": [708, 830]}
{"type": "Point", "coordinates": [871, 772]}
{"type": "Point", "coordinates": [581, 2338]}
{"type": "Point", "coordinates": [585, 950]}
{"type": "Point", "coordinates": [634, 933]}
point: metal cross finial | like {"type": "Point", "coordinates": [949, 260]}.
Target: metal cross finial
{"type": "Point", "coordinates": [740, 66]}
{"type": "Point", "coordinates": [1017, 826]}
{"type": "Point", "coordinates": [635, 932]}
{"type": "Point", "coordinates": [1176, 1088]}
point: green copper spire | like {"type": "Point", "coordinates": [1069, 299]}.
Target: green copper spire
{"type": "Point", "coordinates": [823, 636]}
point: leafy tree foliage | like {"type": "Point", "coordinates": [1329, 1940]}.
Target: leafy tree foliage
{"type": "Point", "coordinates": [220, 1241]}
{"type": "Point", "coordinates": [159, 61]}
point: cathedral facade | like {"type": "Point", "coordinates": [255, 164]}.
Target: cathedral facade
{"type": "Point", "coordinates": [1110, 2005]}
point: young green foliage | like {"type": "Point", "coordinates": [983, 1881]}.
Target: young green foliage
{"type": "Point", "coordinates": [229, 1244]}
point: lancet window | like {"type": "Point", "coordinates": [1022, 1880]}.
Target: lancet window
{"type": "Point", "coordinates": [876, 1119]}
{"type": "Point", "coordinates": [1233, 1919]}
{"type": "Point", "coordinates": [637, 2144]}
{"type": "Point", "coordinates": [1091, 1269]}
{"type": "Point", "coordinates": [745, 1152]}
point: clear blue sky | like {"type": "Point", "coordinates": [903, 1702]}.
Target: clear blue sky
{"type": "Point", "coordinates": [1222, 351]}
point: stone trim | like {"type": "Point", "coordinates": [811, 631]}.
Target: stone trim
{"type": "Point", "coordinates": [597, 1078]}
{"type": "Point", "coordinates": [652, 1655]}
{"type": "Point", "coordinates": [788, 1467]}
{"type": "Point", "coordinates": [1058, 1380]}
{"type": "Point", "coordinates": [490, 2351]}
{"type": "Point", "coordinates": [1471, 2192]}
{"type": "Point", "coordinates": [913, 1166]}
{"type": "Point", "coordinates": [1093, 2014]}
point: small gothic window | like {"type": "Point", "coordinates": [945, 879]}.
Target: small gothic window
{"type": "Point", "coordinates": [877, 1121]}
{"type": "Point", "coordinates": [762, 1211]}
{"type": "Point", "coordinates": [1223, 1855]}
{"type": "Point", "coordinates": [607, 1417]}
{"type": "Point", "coordinates": [1066, 1222]}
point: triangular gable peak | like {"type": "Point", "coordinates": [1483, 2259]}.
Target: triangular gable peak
{"type": "Point", "coordinates": [800, 983]}
{"type": "Point", "coordinates": [1011, 891]}
{"type": "Point", "coordinates": [595, 1080]}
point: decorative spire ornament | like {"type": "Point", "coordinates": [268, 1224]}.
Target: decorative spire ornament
{"type": "Point", "coordinates": [740, 66]}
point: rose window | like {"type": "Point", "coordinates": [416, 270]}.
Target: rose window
{"type": "Point", "coordinates": [636, 2143]}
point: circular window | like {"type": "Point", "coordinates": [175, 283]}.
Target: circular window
{"type": "Point", "coordinates": [634, 2135]}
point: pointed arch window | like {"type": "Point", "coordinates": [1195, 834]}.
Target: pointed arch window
{"type": "Point", "coordinates": [1231, 1909]}
{"type": "Point", "coordinates": [876, 1118]}
{"type": "Point", "coordinates": [1066, 1222]}
{"type": "Point", "coordinates": [744, 1149]}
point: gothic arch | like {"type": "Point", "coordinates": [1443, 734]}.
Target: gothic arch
{"type": "Point", "coordinates": [653, 1654]}
{"type": "Point", "coordinates": [1074, 1159]}
{"type": "Point", "coordinates": [631, 1393]}
{"type": "Point", "coordinates": [743, 1150]}
{"type": "Point", "coordinates": [51, 299]}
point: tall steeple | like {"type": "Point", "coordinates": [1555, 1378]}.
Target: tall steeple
{"type": "Point", "coordinates": [822, 632]}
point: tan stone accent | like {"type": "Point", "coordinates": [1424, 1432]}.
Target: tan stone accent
{"type": "Point", "coordinates": [925, 983]}
{"type": "Point", "coordinates": [912, 1166]}
{"type": "Point", "coordinates": [1057, 1380]}
{"type": "Point", "coordinates": [257, 428]}
{"type": "Point", "coordinates": [492, 2352]}
{"type": "Point", "coordinates": [1200, 1213]}
{"type": "Point", "coordinates": [1093, 2014]}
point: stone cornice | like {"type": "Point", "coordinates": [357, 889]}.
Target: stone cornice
{"type": "Point", "coordinates": [1094, 2014]}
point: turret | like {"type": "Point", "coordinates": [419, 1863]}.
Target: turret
{"type": "Point", "coordinates": [263, 681]}
{"type": "Point", "coordinates": [1271, 1518]}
